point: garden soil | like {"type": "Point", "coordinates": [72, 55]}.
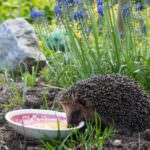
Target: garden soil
{"type": "Point", "coordinates": [9, 140]}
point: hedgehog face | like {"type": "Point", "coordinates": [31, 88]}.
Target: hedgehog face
{"type": "Point", "coordinates": [77, 112]}
{"type": "Point", "coordinates": [76, 107]}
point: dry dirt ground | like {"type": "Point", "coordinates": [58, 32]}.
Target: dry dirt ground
{"type": "Point", "coordinates": [9, 140]}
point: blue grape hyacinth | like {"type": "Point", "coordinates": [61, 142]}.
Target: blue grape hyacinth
{"type": "Point", "coordinates": [100, 10]}
{"type": "Point", "coordinates": [57, 10]}
{"type": "Point", "coordinates": [36, 14]}
{"type": "Point", "coordinates": [138, 7]}
{"type": "Point", "coordinates": [99, 2]}
{"type": "Point", "coordinates": [125, 11]}
{"type": "Point", "coordinates": [100, 7]}
{"type": "Point", "coordinates": [79, 2]}
{"type": "Point", "coordinates": [76, 4]}
{"type": "Point", "coordinates": [78, 15]}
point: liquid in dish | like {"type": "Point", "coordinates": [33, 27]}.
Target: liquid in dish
{"type": "Point", "coordinates": [41, 120]}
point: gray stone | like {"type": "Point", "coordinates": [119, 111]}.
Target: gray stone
{"type": "Point", "coordinates": [117, 143]}
{"type": "Point", "coordinates": [3, 100]}
{"type": "Point", "coordinates": [4, 147]}
{"type": "Point", "coordinates": [34, 148]}
{"type": "Point", "coordinates": [147, 134]}
{"type": "Point", "coordinates": [19, 45]}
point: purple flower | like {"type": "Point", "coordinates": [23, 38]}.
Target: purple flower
{"type": "Point", "coordinates": [57, 9]}
{"type": "Point", "coordinates": [59, 1]}
{"type": "Point", "coordinates": [122, 34]}
{"type": "Point", "coordinates": [144, 29]}
{"type": "Point", "coordinates": [100, 10]}
{"type": "Point", "coordinates": [79, 2]}
{"type": "Point", "coordinates": [134, 16]}
{"type": "Point", "coordinates": [125, 11]}
{"type": "Point", "coordinates": [78, 15]}
{"type": "Point", "coordinates": [88, 31]}
{"type": "Point", "coordinates": [99, 2]}
{"type": "Point", "coordinates": [100, 7]}
{"type": "Point", "coordinates": [138, 6]}
{"type": "Point", "coordinates": [35, 14]}
{"type": "Point", "coordinates": [69, 3]}
{"type": "Point", "coordinates": [75, 16]}
{"type": "Point", "coordinates": [141, 20]}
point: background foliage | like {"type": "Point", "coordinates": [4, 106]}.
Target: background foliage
{"type": "Point", "coordinates": [22, 8]}
{"type": "Point", "coordinates": [73, 56]}
{"type": "Point", "coordinates": [104, 51]}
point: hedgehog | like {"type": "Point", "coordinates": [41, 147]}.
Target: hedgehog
{"type": "Point", "coordinates": [118, 100]}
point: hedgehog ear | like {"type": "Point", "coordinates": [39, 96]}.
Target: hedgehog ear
{"type": "Point", "coordinates": [86, 102]}
{"type": "Point", "coordinates": [77, 99]}
{"type": "Point", "coordinates": [59, 96]}
{"type": "Point", "coordinates": [73, 96]}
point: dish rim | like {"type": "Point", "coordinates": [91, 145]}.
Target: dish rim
{"type": "Point", "coordinates": [10, 114]}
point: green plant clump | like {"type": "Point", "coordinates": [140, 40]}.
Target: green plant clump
{"type": "Point", "coordinates": [91, 138]}
{"type": "Point", "coordinates": [103, 49]}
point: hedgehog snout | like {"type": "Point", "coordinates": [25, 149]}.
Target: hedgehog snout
{"type": "Point", "coordinates": [74, 112]}
{"type": "Point", "coordinates": [74, 121]}
{"type": "Point", "coordinates": [75, 117]}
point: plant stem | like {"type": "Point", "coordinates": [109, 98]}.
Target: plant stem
{"type": "Point", "coordinates": [120, 21]}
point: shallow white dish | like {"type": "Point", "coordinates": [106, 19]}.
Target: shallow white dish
{"type": "Point", "coordinates": [38, 132]}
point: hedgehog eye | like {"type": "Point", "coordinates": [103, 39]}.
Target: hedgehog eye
{"type": "Point", "coordinates": [82, 103]}
{"type": "Point", "coordinates": [76, 113]}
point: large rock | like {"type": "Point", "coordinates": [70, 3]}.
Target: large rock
{"type": "Point", "coordinates": [19, 46]}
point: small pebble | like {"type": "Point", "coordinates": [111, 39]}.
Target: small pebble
{"type": "Point", "coordinates": [3, 101]}
{"type": "Point", "coordinates": [117, 143]}
{"type": "Point", "coordinates": [147, 134]}
{"type": "Point", "coordinates": [4, 147]}
{"type": "Point", "coordinates": [146, 146]}
{"type": "Point", "coordinates": [34, 148]}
